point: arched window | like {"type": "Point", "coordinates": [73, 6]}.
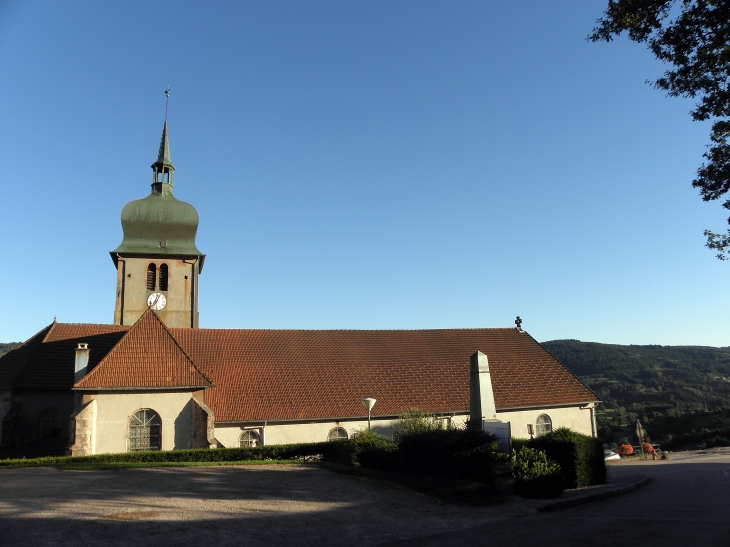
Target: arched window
{"type": "Point", "coordinates": [144, 431]}
{"type": "Point", "coordinates": [151, 276]}
{"type": "Point", "coordinates": [543, 425]}
{"type": "Point", "coordinates": [337, 434]}
{"type": "Point", "coordinates": [51, 424]}
{"type": "Point", "coordinates": [163, 277]}
{"type": "Point", "coordinates": [248, 438]}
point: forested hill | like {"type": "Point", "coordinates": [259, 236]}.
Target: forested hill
{"type": "Point", "coordinates": [673, 388]}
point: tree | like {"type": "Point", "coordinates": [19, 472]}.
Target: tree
{"type": "Point", "coordinates": [694, 37]}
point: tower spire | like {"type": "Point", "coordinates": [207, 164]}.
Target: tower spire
{"type": "Point", "coordinates": [163, 168]}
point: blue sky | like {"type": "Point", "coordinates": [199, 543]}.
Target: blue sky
{"type": "Point", "coordinates": [359, 165]}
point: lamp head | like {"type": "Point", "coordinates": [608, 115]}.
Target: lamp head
{"type": "Point", "coordinates": [368, 402]}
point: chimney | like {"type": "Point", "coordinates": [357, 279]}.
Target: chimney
{"type": "Point", "coordinates": [480, 391]}
{"type": "Point", "coordinates": [82, 361]}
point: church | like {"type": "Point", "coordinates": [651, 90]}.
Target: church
{"type": "Point", "coordinates": [155, 380]}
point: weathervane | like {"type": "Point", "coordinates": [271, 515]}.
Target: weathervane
{"type": "Point", "coordinates": [167, 99]}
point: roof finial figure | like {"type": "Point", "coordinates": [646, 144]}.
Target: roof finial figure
{"type": "Point", "coordinates": [518, 322]}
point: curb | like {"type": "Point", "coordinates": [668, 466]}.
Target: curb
{"type": "Point", "coordinates": [564, 504]}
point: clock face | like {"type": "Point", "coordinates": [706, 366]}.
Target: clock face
{"type": "Point", "coordinates": [156, 301]}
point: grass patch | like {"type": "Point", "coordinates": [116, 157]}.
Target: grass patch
{"type": "Point", "coordinates": [445, 490]}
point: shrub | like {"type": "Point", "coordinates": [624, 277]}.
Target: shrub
{"type": "Point", "coordinates": [580, 457]}
{"type": "Point", "coordinates": [454, 453]}
{"type": "Point", "coordinates": [375, 451]}
{"type": "Point", "coordinates": [416, 421]}
{"type": "Point", "coordinates": [536, 476]}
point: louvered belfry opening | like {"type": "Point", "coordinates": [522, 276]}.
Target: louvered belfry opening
{"type": "Point", "coordinates": [151, 276]}
{"type": "Point", "coordinates": [163, 277]}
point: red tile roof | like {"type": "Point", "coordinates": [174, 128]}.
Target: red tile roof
{"type": "Point", "coordinates": [300, 374]}
{"type": "Point", "coordinates": [148, 356]}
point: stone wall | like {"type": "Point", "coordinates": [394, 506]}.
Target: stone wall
{"type": "Point", "coordinates": [83, 430]}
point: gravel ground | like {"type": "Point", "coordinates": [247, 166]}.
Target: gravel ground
{"type": "Point", "coordinates": [246, 505]}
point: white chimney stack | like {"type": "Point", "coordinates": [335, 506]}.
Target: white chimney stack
{"type": "Point", "coordinates": [82, 361]}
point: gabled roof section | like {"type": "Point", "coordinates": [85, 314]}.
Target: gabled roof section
{"type": "Point", "coordinates": [14, 363]}
{"type": "Point", "coordinates": [147, 357]}
{"type": "Point", "coordinates": [46, 360]}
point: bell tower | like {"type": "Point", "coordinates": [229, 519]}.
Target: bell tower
{"type": "Point", "coordinates": [157, 262]}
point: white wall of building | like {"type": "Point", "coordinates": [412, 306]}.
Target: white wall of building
{"type": "Point", "coordinates": [114, 411]}
{"type": "Point", "coordinates": [298, 432]}
{"type": "Point", "coordinates": [573, 417]}
{"type": "Point", "coordinates": [228, 434]}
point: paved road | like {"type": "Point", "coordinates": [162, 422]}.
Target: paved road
{"type": "Point", "coordinates": [258, 506]}
{"type": "Point", "coordinates": [686, 503]}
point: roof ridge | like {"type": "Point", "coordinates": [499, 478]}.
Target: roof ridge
{"type": "Point", "coordinates": [566, 368]}
{"type": "Point", "coordinates": [177, 343]}
{"type": "Point", "coordinates": [352, 330]}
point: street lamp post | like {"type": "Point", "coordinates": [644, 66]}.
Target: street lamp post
{"type": "Point", "coordinates": [369, 403]}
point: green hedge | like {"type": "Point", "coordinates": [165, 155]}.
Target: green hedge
{"type": "Point", "coordinates": [447, 453]}
{"type": "Point", "coordinates": [334, 451]}
{"type": "Point", "coordinates": [580, 457]}
{"type": "Point", "coordinates": [452, 453]}
{"type": "Point", "coordinates": [535, 475]}
{"type": "Point", "coordinates": [374, 451]}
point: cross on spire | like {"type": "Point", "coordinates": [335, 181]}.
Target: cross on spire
{"type": "Point", "coordinates": [518, 322]}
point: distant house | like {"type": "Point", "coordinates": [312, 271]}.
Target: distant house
{"type": "Point", "coordinates": [155, 380]}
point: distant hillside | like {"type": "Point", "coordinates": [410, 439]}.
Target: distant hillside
{"type": "Point", "coordinates": [672, 389]}
{"type": "Point", "coordinates": [6, 347]}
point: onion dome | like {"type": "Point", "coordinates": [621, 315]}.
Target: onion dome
{"type": "Point", "coordinates": [160, 224]}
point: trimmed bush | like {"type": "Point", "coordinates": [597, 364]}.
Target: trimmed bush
{"type": "Point", "coordinates": [452, 453]}
{"type": "Point", "coordinates": [335, 451]}
{"type": "Point", "coordinates": [580, 457]}
{"type": "Point", "coordinates": [375, 451]}
{"type": "Point", "coordinates": [536, 476]}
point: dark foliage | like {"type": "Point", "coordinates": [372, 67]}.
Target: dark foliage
{"type": "Point", "coordinates": [536, 476]}
{"type": "Point", "coordinates": [580, 457]}
{"type": "Point", "coordinates": [710, 438]}
{"type": "Point", "coordinates": [671, 389]}
{"type": "Point", "coordinates": [6, 347]}
{"type": "Point", "coordinates": [374, 452]}
{"type": "Point", "coordinates": [453, 453]}
{"type": "Point", "coordinates": [693, 38]}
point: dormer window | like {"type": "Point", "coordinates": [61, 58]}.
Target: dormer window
{"type": "Point", "coordinates": [152, 277]}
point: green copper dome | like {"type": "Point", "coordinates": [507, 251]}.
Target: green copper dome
{"type": "Point", "coordinates": [160, 224]}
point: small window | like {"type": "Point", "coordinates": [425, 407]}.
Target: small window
{"type": "Point", "coordinates": [163, 277]}
{"type": "Point", "coordinates": [337, 434]}
{"type": "Point", "coordinates": [543, 425]}
{"type": "Point", "coordinates": [144, 431]}
{"type": "Point", "coordinates": [248, 438]}
{"type": "Point", "coordinates": [151, 276]}
{"type": "Point", "coordinates": [51, 423]}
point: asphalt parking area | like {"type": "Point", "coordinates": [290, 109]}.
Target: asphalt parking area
{"type": "Point", "coordinates": [237, 505]}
